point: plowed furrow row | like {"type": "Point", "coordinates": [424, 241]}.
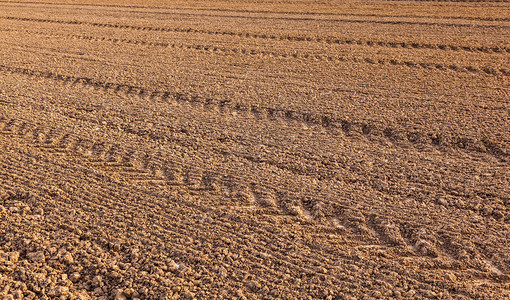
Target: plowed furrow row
{"type": "Point", "coordinates": [258, 11]}
{"type": "Point", "coordinates": [396, 136]}
{"type": "Point", "coordinates": [185, 252]}
{"type": "Point", "coordinates": [161, 171]}
{"type": "Point", "coordinates": [377, 20]}
{"type": "Point", "coordinates": [93, 200]}
{"type": "Point", "coordinates": [140, 167]}
{"type": "Point", "coordinates": [314, 56]}
{"type": "Point", "coordinates": [106, 204]}
{"type": "Point", "coordinates": [358, 219]}
{"type": "Point", "coordinates": [326, 40]}
{"type": "Point", "coordinates": [353, 21]}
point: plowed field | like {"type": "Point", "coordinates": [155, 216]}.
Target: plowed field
{"type": "Point", "coordinates": [289, 149]}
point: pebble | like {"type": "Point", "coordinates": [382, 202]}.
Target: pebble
{"type": "Point", "coordinates": [451, 277]}
{"type": "Point", "coordinates": [97, 280]}
{"type": "Point", "coordinates": [442, 201]}
{"type": "Point", "coordinates": [13, 256]}
{"type": "Point", "coordinates": [68, 258]}
{"type": "Point", "coordinates": [36, 256]}
{"type": "Point", "coordinates": [75, 277]}
{"type": "Point", "coordinates": [58, 291]}
{"type": "Point", "coordinates": [119, 295]}
{"type": "Point", "coordinates": [129, 292]}
{"type": "Point", "coordinates": [98, 291]}
{"type": "Point", "coordinates": [253, 286]}
{"type": "Point", "coordinates": [172, 266]}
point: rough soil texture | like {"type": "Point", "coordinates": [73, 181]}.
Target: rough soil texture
{"type": "Point", "coordinates": [255, 150]}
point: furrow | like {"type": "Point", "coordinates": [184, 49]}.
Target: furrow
{"type": "Point", "coordinates": [91, 199]}
{"type": "Point", "coordinates": [174, 29]}
{"type": "Point", "coordinates": [396, 136]}
{"type": "Point", "coordinates": [258, 11]}
{"type": "Point", "coordinates": [388, 237]}
{"type": "Point", "coordinates": [286, 202]}
{"type": "Point", "coordinates": [292, 38]}
{"type": "Point", "coordinates": [140, 167]}
{"type": "Point", "coordinates": [438, 67]}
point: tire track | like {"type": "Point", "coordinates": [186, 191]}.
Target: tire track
{"type": "Point", "coordinates": [354, 21]}
{"type": "Point", "coordinates": [338, 20]}
{"type": "Point", "coordinates": [327, 40]}
{"type": "Point", "coordinates": [310, 169]}
{"type": "Point", "coordinates": [227, 10]}
{"type": "Point", "coordinates": [119, 195]}
{"type": "Point", "coordinates": [397, 136]}
{"type": "Point", "coordinates": [480, 70]}
{"type": "Point", "coordinates": [171, 215]}
{"type": "Point", "coordinates": [356, 219]}
{"type": "Point", "coordinates": [158, 172]}
{"type": "Point", "coordinates": [141, 168]}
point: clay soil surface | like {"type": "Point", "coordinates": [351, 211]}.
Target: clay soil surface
{"type": "Point", "coordinates": [254, 149]}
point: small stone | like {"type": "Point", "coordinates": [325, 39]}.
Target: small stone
{"type": "Point", "coordinates": [13, 256]}
{"type": "Point", "coordinates": [98, 291]}
{"type": "Point", "coordinates": [39, 211]}
{"type": "Point", "coordinates": [36, 256]}
{"type": "Point", "coordinates": [129, 292]}
{"type": "Point", "coordinates": [442, 201]}
{"type": "Point", "coordinates": [172, 266]}
{"type": "Point", "coordinates": [119, 295]}
{"type": "Point", "coordinates": [451, 276]}
{"type": "Point", "coordinates": [17, 294]}
{"type": "Point", "coordinates": [75, 277]}
{"type": "Point", "coordinates": [68, 258]}
{"type": "Point", "coordinates": [82, 295]}
{"type": "Point", "coordinates": [253, 286]}
{"type": "Point", "coordinates": [58, 291]}
{"type": "Point", "coordinates": [97, 280]}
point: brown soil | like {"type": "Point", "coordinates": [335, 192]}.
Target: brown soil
{"type": "Point", "coordinates": [254, 149]}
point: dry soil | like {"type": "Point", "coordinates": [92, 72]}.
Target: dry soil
{"type": "Point", "coordinates": [289, 149]}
